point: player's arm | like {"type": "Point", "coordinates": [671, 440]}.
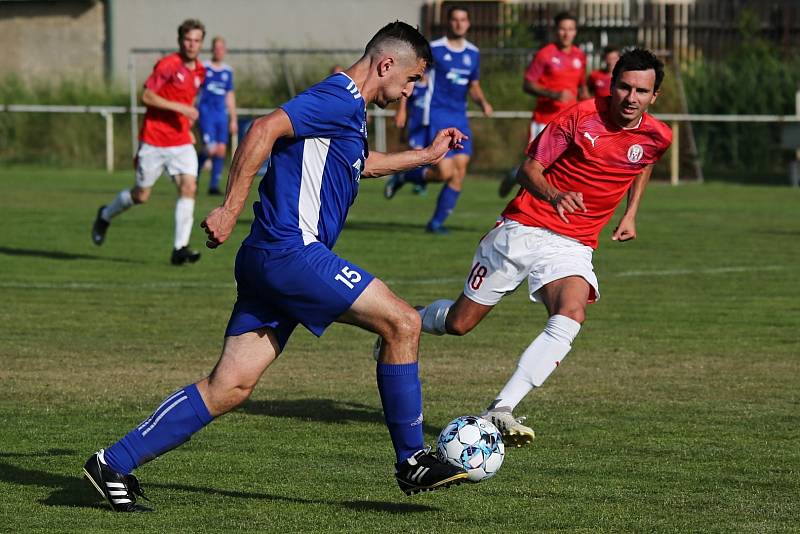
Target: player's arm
{"type": "Point", "coordinates": [583, 90]}
{"type": "Point", "coordinates": [230, 105]}
{"type": "Point", "coordinates": [531, 177]}
{"type": "Point", "coordinates": [477, 96]}
{"type": "Point", "coordinates": [153, 100]}
{"type": "Point", "coordinates": [626, 229]}
{"type": "Point", "coordinates": [254, 149]}
{"type": "Point", "coordinates": [383, 163]}
{"type": "Point", "coordinates": [533, 88]}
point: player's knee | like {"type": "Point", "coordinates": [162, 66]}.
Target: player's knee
{"type": "Point", "coordinates": [576, 313]}
{"type": "Point", "coordinates": [459, 326]}
{"type": "Point", "coordinates": [140, 196]}
{"type": "Point", "coordinates": [188, 188]}
{"type": "Point", "coordinates": [405, 324]}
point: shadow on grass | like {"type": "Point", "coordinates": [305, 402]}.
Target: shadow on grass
{"type": "Point", "coordinates": [394, 226]}
{"type": "Point", "coordinates": [74, 491]}
{"type": "Point", "coordinates": [59, 255]}
{"type": "Point", "coordinates": [321, 410]}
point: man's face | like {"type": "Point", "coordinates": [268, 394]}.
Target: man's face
{"type": "Point", "coordinates": [219, 50]}
{"type": "Point", "coordinates": [566, 31]}
{"type": "Point", "coordinates": [398, 81]}
{"type": "Point", "coordinates": [191, 43]}
{"type": "Point", "coordinates": [611, 60]}
{"type": "Point", "coordinates": [458, 23]}
{"type": "Point", "coordinates": [631, 95]}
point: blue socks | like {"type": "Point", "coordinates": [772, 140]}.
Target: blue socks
{"type": "Point", "coordinates": [202, 157]}
{"type": "Point", "coordinates": [217, 163]}
{"type": "Point", "coordinates": [180, 415]}
{"type": "Point", "coordinates": [415, 176]}
{"type": "Point", "coordinates": [448, 198]}
{"type": "Point", "coordinates": [401, 396]}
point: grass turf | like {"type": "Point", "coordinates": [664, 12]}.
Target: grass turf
{"type": "Point", "coordinates": [677, 409]}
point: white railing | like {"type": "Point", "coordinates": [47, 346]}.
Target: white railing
{"type": "Point", "coordinates": [380, 116]}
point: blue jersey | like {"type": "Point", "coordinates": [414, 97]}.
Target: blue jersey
{"type": "Point", "coordinates": [449, 79]}
{"type": "Point", "coordinates": [312, 178]}
{"type": "Point", "coordinates": [218, 82]}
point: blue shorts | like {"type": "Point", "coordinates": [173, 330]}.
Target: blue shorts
{"type": "Point", "coordinates": [280, 289]}
{"type": "Point", "coordinates": [214, 128]}
{"type": "Point", "coordinates": [452, 121]}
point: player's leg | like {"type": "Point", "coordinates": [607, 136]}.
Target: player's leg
{"type": "Point", "coordinates": [218, 156]}
{"type": "Point", "coordinates": [208, 143]}
{"type": "Point", "coordinates": [244, 359]}
{"type": "Point", "coordinates": [379, 310]}
{"type": "Point", "coordinates": [565, 300]}
{"type": "Point", "coordinates": [453, 170]}
{"type": "Point", "coordinates": [182, 166]}
{"type": "Point", "coordinates": [149, 163]}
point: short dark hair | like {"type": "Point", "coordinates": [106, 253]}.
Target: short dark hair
{"type": "Point", "coordinates": [400, 31]}
{"type": "Point", "coordinates": [189, 25]}
{"type": "Point", "coordinates": [564, 15]}
{"type": "Point", "coordinates": [453, 9]}
{"type": "Point", "coordinates": [638, 59]}
{"type": "Point", "coordinates": [610, 48]}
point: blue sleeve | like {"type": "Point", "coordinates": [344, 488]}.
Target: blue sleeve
{"type": "Point", "coordinates": [230, 80]}
{"type": "Point", "coordinates": [321, 111]}
{"type": "Point", "coordinates": [476, 72]}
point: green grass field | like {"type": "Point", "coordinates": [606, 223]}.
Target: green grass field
{"type": "Point", "coordinates": [677, 410]}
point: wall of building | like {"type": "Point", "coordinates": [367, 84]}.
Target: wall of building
{"type": "Point", "coordinates": [48, 41]}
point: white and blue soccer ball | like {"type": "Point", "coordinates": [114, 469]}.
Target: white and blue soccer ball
{"type": "Point", "coordinates": [474, 444]}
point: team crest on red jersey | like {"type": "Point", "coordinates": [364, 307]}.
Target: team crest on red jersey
{"type": "Point", "coordinates": [635, 153]}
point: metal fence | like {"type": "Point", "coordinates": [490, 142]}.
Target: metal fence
{"type": "Point", "coordinates": [380, 143]}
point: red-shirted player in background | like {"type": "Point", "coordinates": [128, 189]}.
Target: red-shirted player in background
{"type": "Point", "coordinates": [557, 78]}
{"type": "Point", "coordinates": [599, 82]}
{"type": "Point", "coordinates": [575, 176]}
{"type": "Point", "coordinates": [165, 140]}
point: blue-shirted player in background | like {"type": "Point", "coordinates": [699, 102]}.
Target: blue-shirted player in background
{"type": "Point", "coordinates": [286, 273]}
{"type": "Point", "coordinates": [217, 106]}
{"type": "Point", "coordinates": [455, 74]}
{"type": "Point", "coordinates": [410, 117]}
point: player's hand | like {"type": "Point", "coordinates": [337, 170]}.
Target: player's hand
{"type": "Point", "coordinates": [219, 225]}
{"type": "Point", "coordinates": [566, 96]}
{"type": "Point", "coordinates": [233, 126]}
{"type": "Point", "coordinates": [400, 119]}
{"type": "Point", "coordinates": [568, 203]}
{"type": "Point", "coordinates": [625, 230]}
{"type": "Point", "coordinates": [487, 109]}
{"type": "Point", "coordinates": [446, 140]}
{"type": "Point", "coordinates": [190, 112]}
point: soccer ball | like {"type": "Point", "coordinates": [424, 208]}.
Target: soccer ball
{"type": "Point", "coordinates": [472, 443]}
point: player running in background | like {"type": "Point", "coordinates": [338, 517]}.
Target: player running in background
{"type": "Point", "coordinates": [599, 82]}
{"type": "Point", "coordinates": [165, 140]}
{"type": "Point", "coordinates": [287, 275]}
{"type": "Point", "coordinates": [557, 78]}
{"type": "Point", "coordinates": [577, 171]}
{"type": "Point", "coordinates": [410, 116]}
{"type": "Point", "coordinates": [217, 106]}
{"type": "Point", "coordinates": [455, 74]}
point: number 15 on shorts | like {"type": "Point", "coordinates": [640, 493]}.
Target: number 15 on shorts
{"type": "Point", "coordinates": [348, 277]}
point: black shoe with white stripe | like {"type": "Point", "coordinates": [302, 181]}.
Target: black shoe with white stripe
{"type": "Point", "coordinates": [425, 472]}
{"type": "Point", "coordinates": [120, 491]}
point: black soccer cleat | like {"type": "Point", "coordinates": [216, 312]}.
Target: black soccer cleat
{"type": "Point", "coordinates": [423, 471]}
{"type": "Point", "coordinates": [120, 491]}
{"type": "Point", "coordinates": [393, 184]}
{"type": "Point", "coordinates": [214, 192]}
{"type": "Point", "coordinates": [99, 228]}
{"type": "Point", "coordinates": [184, 255]}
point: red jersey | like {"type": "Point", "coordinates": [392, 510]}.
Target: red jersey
{"type": "Point", "coordinates": [171, 79]}
{"type": "Point", "coordinates": [600, 82]}
{"type": "Point", "coordinates": [582, 150]}
{"type": "Point", "coordinates": [556, 71]}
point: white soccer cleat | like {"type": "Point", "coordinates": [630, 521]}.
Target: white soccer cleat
{"type": "Point", "coordinates": [514, 432]}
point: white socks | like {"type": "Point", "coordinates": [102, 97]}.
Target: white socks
{"type": "Point", "coordinates": [539, 360]}
{"type": "Point", "coordinates": [184, 218]}
{"type": "Point", "coordinates": [434, 316]}
{"type": "Point", "coordinates": [122, 202]}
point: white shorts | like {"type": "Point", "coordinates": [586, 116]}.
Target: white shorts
{"type": "Point", "coordinates": [536, 129]}
{"type": "Point", "coordinates": [151, 161]}
{"type": "Point", "coordinates": [512, 251]}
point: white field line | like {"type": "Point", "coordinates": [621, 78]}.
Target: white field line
{"type": "Point", "coordinates": [78, 286]}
